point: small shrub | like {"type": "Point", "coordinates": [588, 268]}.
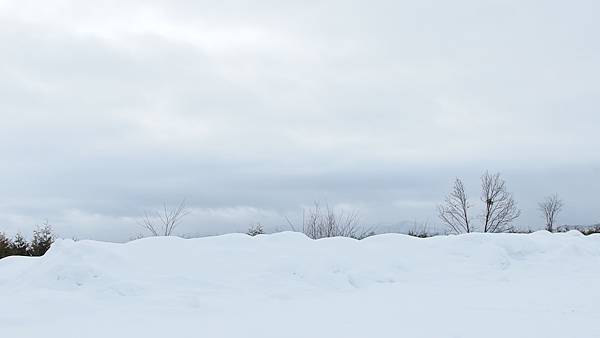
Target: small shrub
{"type": "Point", "coordinates": [421, 231]}
{"type": "Point", "coordinates": [256, 229]}
{"type": "Point", "coordinates": [364, 234]}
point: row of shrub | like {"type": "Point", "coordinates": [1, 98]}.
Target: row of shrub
{"type": "Point", "coordinates": [41, 240]}
{"type": "Point", "coordinates": [423, 232]}
{"type": "Point", "coordinates": [586, 230]}
{"type": "Point", "coordinates": [43, 237]}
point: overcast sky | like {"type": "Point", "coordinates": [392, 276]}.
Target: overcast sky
{"type": "Point", "coordinates": [253, 109]}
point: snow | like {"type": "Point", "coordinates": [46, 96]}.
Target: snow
{"type": "Point", "coordinates": [286, 285]}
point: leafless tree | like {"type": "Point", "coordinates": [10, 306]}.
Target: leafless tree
{"type": "Point", "coordinates": [500, 207]}
{"type": "Point", "coordinates": [550, 208]}
{"type": "Point", "coordinates": [164, 222]}
{"type": "Point", "coordinates": [318, 222]}
{"type": "Point", "coordinates": [454, 212]}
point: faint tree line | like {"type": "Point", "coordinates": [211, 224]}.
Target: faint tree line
{"type": "Point", "coordinates": [497, 213]}
{"type": "Point", "coordinates": [317, 222]}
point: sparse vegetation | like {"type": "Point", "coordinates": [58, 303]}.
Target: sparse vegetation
{"type": "Point", "coordinates": [499, 211]}
{"type": "Point", "coordinates": [319, 222]}
{"type": "Point", "coordinates": [421, 231]}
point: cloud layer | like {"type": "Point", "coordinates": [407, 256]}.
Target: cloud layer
{"type": "Point", "coordinates": [251, 110]}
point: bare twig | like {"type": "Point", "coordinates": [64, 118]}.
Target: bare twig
{"type": "Point", "coordinates": [318, 222]}
{"type": "Point", "coordinates": [165, 221]}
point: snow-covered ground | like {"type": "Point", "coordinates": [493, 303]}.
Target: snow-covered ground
{"type": "Point", "coordinates": [285, 285]}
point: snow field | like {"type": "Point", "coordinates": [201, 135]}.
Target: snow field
{"type": "Point", "coordinates": [286, 285]}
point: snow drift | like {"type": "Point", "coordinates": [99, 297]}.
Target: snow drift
{"type": "Point", "coordinates": [286, 285]}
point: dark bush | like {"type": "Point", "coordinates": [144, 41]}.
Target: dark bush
{"type": "Point", "coordinates": [42, 239]}
{"type": "Point", "coordinates": [5, 246]}
{"type": "Point", "coordinates": [19, 246]}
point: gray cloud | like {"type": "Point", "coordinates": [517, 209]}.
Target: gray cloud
{"type": "Point", "coordinates": [251, 110]}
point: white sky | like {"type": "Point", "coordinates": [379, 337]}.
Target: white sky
{"type": "Point", "coordinates": [252, 109]}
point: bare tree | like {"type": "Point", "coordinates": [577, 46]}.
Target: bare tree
{"type": "Point", "coordinates": [164, 222]}
{"type": "Point", "coordinates": [500, 207]}
{"type": "Point", "coordinates": [454, 212]}
{"type": "Point", "coordinates": [325, 222]}
{"type": "Point", "coordinates": [550, 208]}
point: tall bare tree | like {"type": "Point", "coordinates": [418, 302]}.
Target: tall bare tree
{"type": "Point", "coordinates": [454, 212]}
{"type": "Point", "coordinates": [550, 208]}
{"type": "Point", "coordinates": [164, 222]}
{"type": "Point", "coordinates": [500, 207]}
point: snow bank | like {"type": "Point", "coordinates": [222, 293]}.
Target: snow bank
{"type": "Point", "coordinates": [286, 285]}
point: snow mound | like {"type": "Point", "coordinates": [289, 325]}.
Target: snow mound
{"type": "Point", "coordinates": [286, 285]}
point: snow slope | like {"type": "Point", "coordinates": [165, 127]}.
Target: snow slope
{"type": "Point", "coordinates": [285, 285]}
